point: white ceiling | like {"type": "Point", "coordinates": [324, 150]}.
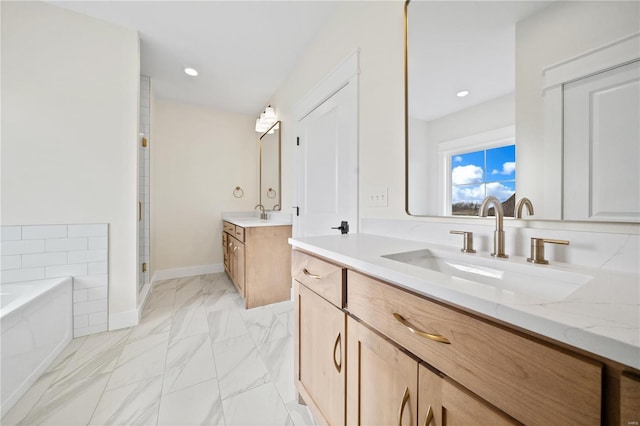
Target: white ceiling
{"type": "Point", "coordinates": [458, 45]}
{"type": "Point", "coordinates": [243, 50]}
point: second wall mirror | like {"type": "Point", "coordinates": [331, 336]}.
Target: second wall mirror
{"type": "Point", "coordinates": [270, 168]}
{"type": "Point", "coordinates": [499, 95]}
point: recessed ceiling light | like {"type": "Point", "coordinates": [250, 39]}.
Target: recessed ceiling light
{"type": "Point", "coordinates": [190, 71]}
{"type": "Point", "coordinates": [462, 93]}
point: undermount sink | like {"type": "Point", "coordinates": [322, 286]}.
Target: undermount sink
{"type": "Point", "coordinates": [493, 275]}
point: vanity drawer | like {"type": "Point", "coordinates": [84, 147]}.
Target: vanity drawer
{"type": "Point", "coordinates": [323, 277]}
{"type": "Point", "coordinates": [229, 228]}
{"type": "Point", "coordinates": [239, 233]}
{"type": "Point", "coordinates": [531, 381]}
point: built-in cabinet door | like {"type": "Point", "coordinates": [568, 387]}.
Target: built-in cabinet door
{"type": "Point", "coordinates": [382, 381]}
{"type": "Point", "coordinates": [236, 262]}
{"type": "Point", "coordinates": [445, 403]}
{"type": "Point", "coordinates": [321, 353]}
{"type": "Point", "coordinates": [629, 399]}
{"type": "Point", "coordinates": [238, 268]}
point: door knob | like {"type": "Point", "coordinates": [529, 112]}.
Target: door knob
{"type": "Point", "coordinates": [344, 227]}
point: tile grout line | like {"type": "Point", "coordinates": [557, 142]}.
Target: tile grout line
{"type": "Point", "coordinates": [106, 385]}
{"type": "Point", "coordinates": [166, 356]}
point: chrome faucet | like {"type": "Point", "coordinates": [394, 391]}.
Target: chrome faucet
{"type": "Point", "coordinates": [520, 204]}
{"type": "Point", "coordinates": [263, 214]}
{"type": "Point", "coordinates": [498, 235]}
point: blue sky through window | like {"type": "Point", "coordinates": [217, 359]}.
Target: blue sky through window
{"type": "Point", "coordinates": [474, 175]}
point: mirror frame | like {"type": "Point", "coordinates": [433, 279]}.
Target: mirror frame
{"type": "Point", "coordinates": [406, 108]}
{"type": "Point", "coordinates": [278, 205]}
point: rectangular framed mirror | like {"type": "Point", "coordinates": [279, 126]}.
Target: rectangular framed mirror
{"type": "Point", "coordinates": [518, 99]}
{"type": "Point", "coordinates": [270, 168]}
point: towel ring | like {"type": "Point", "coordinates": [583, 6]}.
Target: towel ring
{"type": "Point", "coordinates": [271, 193]}
{"type": "Point", "coordinates": [238, 192]}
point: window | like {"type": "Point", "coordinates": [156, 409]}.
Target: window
{"type": "Point", "coordinates": [478, 174]}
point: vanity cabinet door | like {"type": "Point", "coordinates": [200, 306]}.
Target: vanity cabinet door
{"type": "Point", "coordinates": [225, 251]}
{"type": "Point", "coordinates": [382, 381]}
{"type": "Point", "coordinates": [629, 399]}
{"type": "Point", "coordinates": [239, 264]}
{"type": "Point", "coordinates": [445, 403]}
{"type": "Point", "coordinates": [236, 263]}
{"type": "Point", "coordinates": [320, 354]}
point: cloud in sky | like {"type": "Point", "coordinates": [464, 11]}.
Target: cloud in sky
{"type": "Point", "coordinates": [499, 191]}
{"type": "Point", "coordinates": [507, 168]}
{"type": "Point", "coordinates": [470, 173]}
{"type": "Point", "coordinates": [471, 193]}
{"type": "Point", "coordinates": [476, 193]}
{"type": "Point", "coordinates": [457, 159]}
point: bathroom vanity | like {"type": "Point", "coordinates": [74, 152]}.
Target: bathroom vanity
{"type": "Point", "coordinates": [257, 259]}
{"type": "Point", "coordinates": [386, 334]}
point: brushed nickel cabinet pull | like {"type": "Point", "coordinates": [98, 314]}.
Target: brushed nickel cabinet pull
{"type": "Point", "coordinates": [310, 275]}
{"type": "Point", "coordinates": [337, 364]}
{"type": "Point", "coordinates": [434, 337]}
{"type": "Point", "coordinates": [405, 398]}
{"type": "Point", "coordinates": [429, 418]}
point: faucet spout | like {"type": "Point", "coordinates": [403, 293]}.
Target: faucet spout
{"type": "Point", "coordinates": [263, 214]}
{"type": "Point", "coordinates": [522, 202]}
{"type": "Point", "coordinates": [498, 235]}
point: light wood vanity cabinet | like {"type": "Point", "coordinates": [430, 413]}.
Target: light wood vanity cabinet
{"type": "Point", "coordinates": [257, 260]}
{"type": "Point", "coordinates": [358, 363]}
{"type": "Point", "coordinates": [528, 380]}
{"type": "Point", "coordinates": [320, 338]}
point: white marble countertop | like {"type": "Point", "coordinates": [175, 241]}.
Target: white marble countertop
{"type": "Point", "coordinates": [252, 220]}
{"type": "Point", "coordinates": [601, 316]}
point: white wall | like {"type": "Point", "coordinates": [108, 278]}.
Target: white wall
{"type": "Point", "coordinates": [69, 129]}
{"type": "Point", "coordinates": [376, 29]}
{"type": "Point", "coordinates": [199, 155]}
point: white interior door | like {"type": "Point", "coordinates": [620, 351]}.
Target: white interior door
{"type": "Point", "coordinates": [327, 165]}
{"type": "Point", "coordinates": [602, 146]}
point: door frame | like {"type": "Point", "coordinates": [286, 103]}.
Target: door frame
{"type": "Point", "coordinates": [345, 73]}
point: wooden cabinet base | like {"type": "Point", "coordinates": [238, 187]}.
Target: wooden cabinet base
{"type": "Point", "coordinates": [258, 261]}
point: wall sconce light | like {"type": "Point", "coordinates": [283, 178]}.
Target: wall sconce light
{"type": "Point", "coordinates": [266, 119]}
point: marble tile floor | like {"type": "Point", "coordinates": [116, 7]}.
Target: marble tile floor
{"type": "Point", "coordinates": [196, 358]}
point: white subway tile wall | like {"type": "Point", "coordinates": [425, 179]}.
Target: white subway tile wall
{"type": "Point", "coordinates": [34, 252]}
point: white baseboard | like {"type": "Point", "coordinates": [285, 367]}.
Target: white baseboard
{"type": "Point", "coordinates": [132, 317]}
{"type": "Point", "coordinates": [124, 319]}
{"type": "Point", "coordinates": [189, 271]}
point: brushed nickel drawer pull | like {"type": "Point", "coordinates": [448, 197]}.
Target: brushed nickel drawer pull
{"type": "Point", "coordinates": [435, 337]}
{"type": "Point", "coordinates": [405, 398]}
{"type": "Point", "coordinates": [429, 418]}
{"type": "Point", "coordinates": [310, 275]}
{"type": "Point", "coordinates": [338, 365]}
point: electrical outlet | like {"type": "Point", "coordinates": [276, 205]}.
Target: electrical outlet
{"type": "Point", "coordinates": [378, 196]}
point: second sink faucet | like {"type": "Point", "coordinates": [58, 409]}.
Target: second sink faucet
{"type": "Point", "coordinates": [498, 235]}
{"type": "Point", "coordinates": [263, 214]}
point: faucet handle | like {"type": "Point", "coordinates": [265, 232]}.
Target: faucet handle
{"type": "Point", "coordinates": [537, 249]}
{"type": "Point", "coordinates": [467, 241]}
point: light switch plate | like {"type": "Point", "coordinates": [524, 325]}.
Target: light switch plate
{"type": "Point", "coordinates": [377, 196]}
